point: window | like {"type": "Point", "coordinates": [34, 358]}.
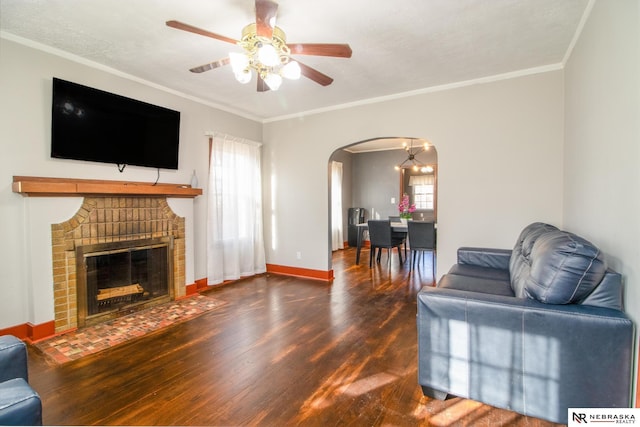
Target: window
{"type": "Point", "coordinates": [234, 227]}
{"type": "Point", "coordinates": [423, 189]}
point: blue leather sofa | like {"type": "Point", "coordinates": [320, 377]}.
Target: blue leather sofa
{"type": "Point", "coordinates": [19, 403]}
{"type": "Point", "coordinates": [537, 330]}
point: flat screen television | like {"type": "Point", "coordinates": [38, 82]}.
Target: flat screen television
{"type": "Point", "coordinates": [98, 126]}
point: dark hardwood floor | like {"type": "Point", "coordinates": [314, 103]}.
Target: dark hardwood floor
{"type": "Point", "coordinates": [283, 351]}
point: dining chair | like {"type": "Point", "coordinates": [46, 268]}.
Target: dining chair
{"type": "Point", "coordinates": [380, 236]}
{"type": "Point", "coordinates": [399, 234]}
{"type": "Point", "coordinates": [422, 238]}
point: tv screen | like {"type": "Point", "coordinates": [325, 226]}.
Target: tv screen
{"type": "Point", "coordinates": [94, 125]}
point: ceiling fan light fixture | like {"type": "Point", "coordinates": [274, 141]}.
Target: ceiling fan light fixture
{"type": "Point", "coordinates": [243, 76]}
{"type": "Point", "coordinates": [265, 51]}
{"type": "Point", "coordinates": [291, 71]}
{"type": "Point", "coordinates": [239, 61]}
{"type": "Point", "coordinates": [273, 81]}
{"type": "Point", "coordinates": [268, 55]}
{"type": "Point", "coordinates": [240, 67]}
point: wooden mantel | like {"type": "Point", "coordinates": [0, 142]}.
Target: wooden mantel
{"type": "Point", "coordinates": [69, 187]}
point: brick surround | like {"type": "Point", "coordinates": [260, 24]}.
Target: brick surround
{"type": "Point", "coordinates": [106, 220]}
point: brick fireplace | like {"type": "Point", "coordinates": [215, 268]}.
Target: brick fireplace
{"type": "Point", "coordinates": [112, 222]}
{"type": "Point", "coordinates": [113, 215]}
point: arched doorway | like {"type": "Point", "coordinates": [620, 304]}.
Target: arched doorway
{"type": "Point", "coordinates": [375, 175]}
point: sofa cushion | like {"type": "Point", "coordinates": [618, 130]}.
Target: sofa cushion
{"type": "Point", "coordinates": [481, 272]}
{"type": "Point", "coordinates": [476, 284]}
{"type": "Point", "coordinates": [520, 262]}
{"type": "Point", "coordinates": [564, 268]}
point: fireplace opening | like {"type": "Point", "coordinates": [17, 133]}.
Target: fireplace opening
{"type": "Point", "coordinates": [118, 278]}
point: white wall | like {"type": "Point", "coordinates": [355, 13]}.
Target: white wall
{"type": "Point", "coordinates": [26, 74]}
{"type": "Point", "coordinates": [602, 146]}
{"type": "Point", "coordinates": [499, 161]}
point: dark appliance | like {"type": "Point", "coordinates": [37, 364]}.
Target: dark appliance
{"type": "Point", "coordinates": [93, 125]}
{"type": "Point", "coordinates": [355, 216]}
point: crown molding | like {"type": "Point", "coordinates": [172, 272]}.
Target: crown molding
{"type": "Point", "coordinates": [96, 65]}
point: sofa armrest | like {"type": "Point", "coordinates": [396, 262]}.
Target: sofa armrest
{"type": "Point", "coordinates": [536, 359]}
{"type": "Point", "coordinates": [485, 257]}
{"type": "Point", "coordinates": [20, 405]}
{"type": "Point", "coordinates": [13, 358]}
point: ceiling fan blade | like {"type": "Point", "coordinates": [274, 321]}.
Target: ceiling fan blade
{"type": "Point", "coordinates": [210, 66]}
{"type": "Point", "coordinates": [266, 11]}
{"type": "Point", "coordinates": [320, 49]}
{"type": "Point", "coordinates": [190, 28]}
{"type": "Point", "coordinates": [315, 75]}
{"type": "Point", "coordinates": [262, 85]}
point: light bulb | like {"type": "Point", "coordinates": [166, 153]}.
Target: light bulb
{"type": "Point", "coordinates": [239, 62]}
{"type": "Point", "coordinates": [273, 81]}
{"type": "Point", "coordinates": [243, 76]}
{"type": "Point", "coordinates": [291, 71]}
{"type": "Point", "coordinates": [268, 55]}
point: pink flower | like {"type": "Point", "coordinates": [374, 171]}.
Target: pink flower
{"type": "Point", "coordinates": [405, 208]}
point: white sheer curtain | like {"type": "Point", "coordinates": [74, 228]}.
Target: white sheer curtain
{"type": "Point", "coordinates": [337, 240]}
{"type": "Point", "coordinates": [235, 240]}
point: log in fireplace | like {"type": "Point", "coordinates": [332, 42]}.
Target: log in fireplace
{"type": "Point", "coordinates": [120, 277]}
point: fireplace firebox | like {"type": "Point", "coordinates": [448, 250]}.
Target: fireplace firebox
{"type": "Point", "coordinates": [121, 277]}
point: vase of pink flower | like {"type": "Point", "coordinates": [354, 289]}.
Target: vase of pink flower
{"type": "Point", "coordinates": [406, 208]}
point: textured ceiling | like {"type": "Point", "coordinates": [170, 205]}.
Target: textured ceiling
{"type": "Point", "coordinates": [400, 46]}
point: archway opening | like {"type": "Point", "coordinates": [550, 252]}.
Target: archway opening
{"type": "Point", "coordinates": [375, 175]}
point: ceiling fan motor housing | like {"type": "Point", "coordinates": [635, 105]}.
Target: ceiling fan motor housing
{"type": "Point", "coordinates": [251, 42]}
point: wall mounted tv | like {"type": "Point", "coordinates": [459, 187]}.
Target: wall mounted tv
{"type": "Point", "coordinates": [90, 124]}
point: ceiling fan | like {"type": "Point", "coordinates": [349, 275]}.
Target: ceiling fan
{"type": "Point", "coordinates": [266, 52]}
